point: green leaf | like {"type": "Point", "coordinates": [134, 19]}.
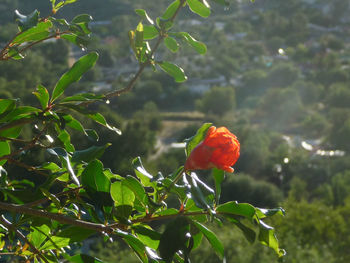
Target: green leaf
{"type": "Point", "coordinates": [82, 21]}
{"type": "Point", "coordinates": [197, 194]}
{"type": "Point", "coordinates": [262, 213]}
{"type": "Point", "coordinates": [64, 157]}
{"type": "Point", "coordinates": [73, 123]}
{"type": "Point", "coordinates": [12, 132]}
{"type": "Point", "coordinates": [14, 53]}
{"type": "Point", "coordinates": [82, 97]}
{"type": "Point", "coordinates": [51, 197]}
{"type": "Point", "coordinates": [219, 176]}
{"type": "Point", "coordinates": [211, 237]}
{"type": "Point", "coordinates": [192, 142]}
{"type": "Point", "coordinates": [74, 74]}
{"type": "Point", "coordinates": [200, 47]}
{"type": "Point", "coordinates": [94, 179]}
{"type": "Point", "coordinates": [64, 137]}
{"type": "Point", "coordinates": [43, 96]}
{"type": "Point", "coordinates": [25, 22]}
{"type": "Point", "coordinates": [175, 238]}
{"type": "Point", "coordinates": [137, 188]}
{"type": "Point", "coordinates": [138, 247]}
{"type": "Point", "coordinates": [60, 4]}
{"type": "Point", "coordinates": [4, 150]}
{"type": "Point", "coordinates": [147, 235]}
{"type": "Point", "coordinates": [199, 8]}
{"type": "Point", "coordinates": [171, 44]}
{"type": "Point", "coordinates": [6, 106]}
{"type": "Point", "coordinates": [173, 70]}
{"type": "Point", "coordinates": [141, 173]}
{"type": "Point", "coordinates": [234, 208]}
{"type": "Point", "coordinates": [98, 117]}
{"type": "Point", "coordinates": [82, 258]}
{"type": "Point", "coordinates": [143, 14]}
{"type": "Point", "coordinates": [180, 190]}
{"type": "Point", "coordinates": [248, 232]}
{"type": "Point", "coordinates": [89, 154]}
{"type": "Point", "coordinates": [92, 135]}
{"type": "Point", "coordinates": [83, 18]}
{"type": "Point", "coordinates": [171, 10]}
{"type": "Point", "coordinates": [38, 234]}
{"type": "Point", "coordinates": [268, 238]}
{"type": "Point", "coordinates": [38, 32]}
{"type": "Point", "coordinates": [149, 32]}
{"type": "Point", "coordinates": [66, 237]}
{"type": "Point", "coordinates": [121, 194]}
{"type": "Point", "coordinates": [80, 41]}
{"type": "Point", "coordinates": [19, 113]}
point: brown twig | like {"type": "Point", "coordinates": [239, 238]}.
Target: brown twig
{"type": "Point", "coordinates": [30, 145]}
{"type": "Point", "coordinates": [9, 225]}
{"type": "Point", "coordinates": [27, 167]}
{"type": "Point", "coordinates": [44, 200]}
{"type": "Point", "coordinates": [63, 219]}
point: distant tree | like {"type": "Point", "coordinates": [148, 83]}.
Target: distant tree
{"type": "Point", "coordinates": [338, 95]}
{"type": "Point", "coordinates": [283, 75]}
{"type": "Point", "coordinates": [217, 100]}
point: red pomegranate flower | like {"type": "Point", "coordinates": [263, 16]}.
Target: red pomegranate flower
{"type": "Point", "coordinates": [219, 149]}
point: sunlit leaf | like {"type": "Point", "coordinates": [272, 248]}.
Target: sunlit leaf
{"type": "Point", "coordinates": [89, 154]}
{"type": "Point", "coordinates": [219, 176]}
{"type": "Point", "coordinates": [200, 47]}
{"type": "Point", "coordinates": [4, 150]}
{"type": "Point", "coordinates": [173, 70]}
{"type": "Point", "coordinates": [38, 32]}
{"type": "Point", "coordinates": [235, 208]}
{"type": "Point", "coordinates": [121, 194]}
{"type": "Point", "coordinates": [42, 95]}
{"type": "Point", "coordinates": [149, 32]}
{"type": "Point", "coordinates": [192, 142]}
{"type": "Point", "coordinates": [138, 247]}
{"type": "Point", "coordinates": [212, 238]}
{"type": "Point", "coordinates": [199, 8]}
{"type": "Point", "coordinates": [141, 173]}
{"type": "Point", "coordinates": [148, 236]}
{"type": "Point", "coordinates": [171, 10]}
{"type": "Point", "coordinates": [268, 238]}
{"type": "Point", "coordinates": [65, 160]}
{"type": "Point", "coordinates": [74, 73]}
{"type": "Point", "coordinates": [143, 14]}
{"type": "Point", "coordinates": [171, 44]}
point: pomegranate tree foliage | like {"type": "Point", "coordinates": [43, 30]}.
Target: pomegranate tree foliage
{"type": "Point", "coordinates": [42, 224]}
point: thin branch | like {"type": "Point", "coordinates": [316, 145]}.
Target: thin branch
{"type": "Point", "coordinates": [30, 145]}
{"type": "Point", "coordinates": [57, 34]}
{"type": "Point", "coordinates": [19, 209]}
{"type": "Point", "coordinates": [13, 140]}
{"type": "Point", "coordinates": [4, 49]}
{"type": "Point", "coordinates": [9, 225]}
{"type": "Point", "coordinates": [16, 123]}
{"type": "Point", "coordinates": [157, 218]}
{"type": "Point", "coordinates": [27, 167]}
{"type": "Point", "coordinates": [44, 200]}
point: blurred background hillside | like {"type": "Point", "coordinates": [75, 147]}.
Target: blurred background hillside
{"type": "Point", "coordinates": [277, 74]}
